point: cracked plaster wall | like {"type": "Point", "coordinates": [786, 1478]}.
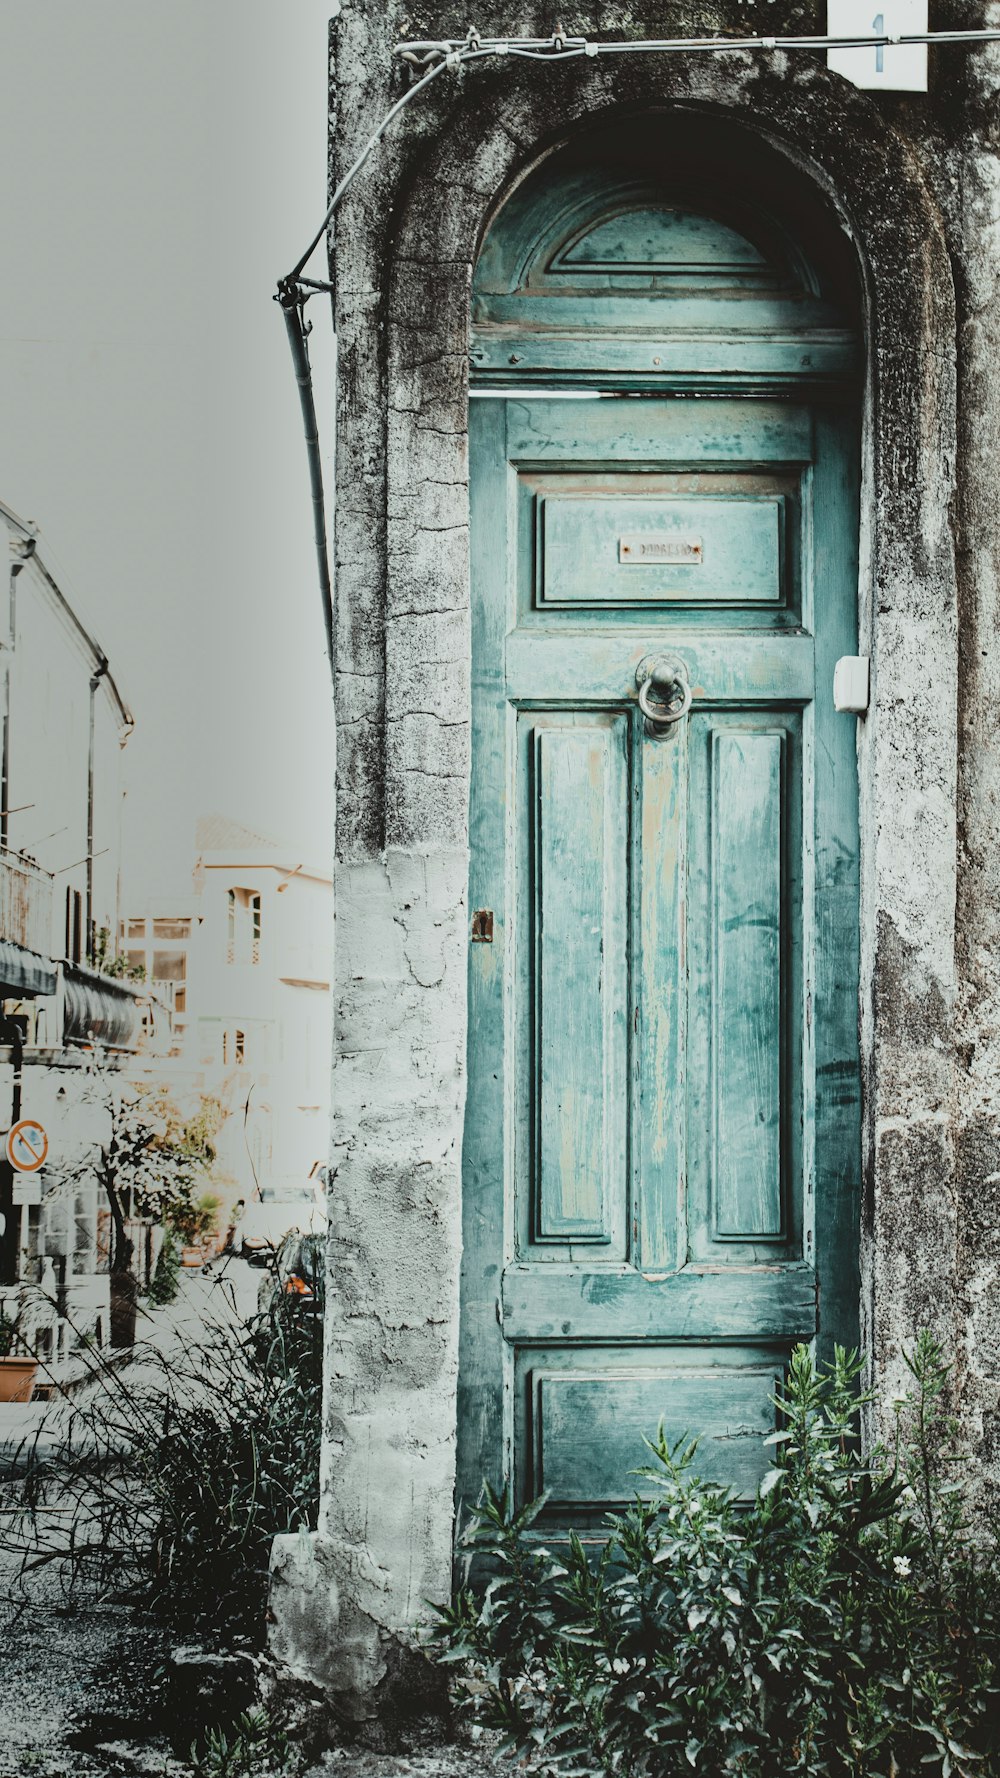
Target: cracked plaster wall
{"type": "Point", "coordinates": [917, 182]}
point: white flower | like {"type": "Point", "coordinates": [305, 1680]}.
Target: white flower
{"type": "Point", "coordinates": [902, 1566]}
{"type": "Point", "coordinates": [619, 1666]}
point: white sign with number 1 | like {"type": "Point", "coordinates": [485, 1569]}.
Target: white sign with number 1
{"type": "Point", "coordinates": [900, 68]}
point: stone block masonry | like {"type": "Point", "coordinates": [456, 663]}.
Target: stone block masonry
{"type": "Point", "coordinates": [915, 181]}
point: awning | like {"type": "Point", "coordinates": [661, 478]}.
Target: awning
{"type": "Point", "coordinates": [99, 1007]}
{"type": "Point", "coordinates": [24, 973]}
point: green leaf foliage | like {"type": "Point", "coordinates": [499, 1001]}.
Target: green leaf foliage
{"type": "Point", "coordinates": [256, 1747]}
{"type": "Point", "coordinates": [165, 1282]}
{"type": "Point", "coordinates": [844, 1625]}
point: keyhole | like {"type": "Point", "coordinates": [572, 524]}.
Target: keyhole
{"type": "Point", "coordinates": [878, 26]}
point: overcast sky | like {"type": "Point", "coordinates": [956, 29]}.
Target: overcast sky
{"type": "Point", "coordinates": [164, 163]}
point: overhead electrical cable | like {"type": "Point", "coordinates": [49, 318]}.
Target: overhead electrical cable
{"type": "Point", "coordinates": [561, 46]}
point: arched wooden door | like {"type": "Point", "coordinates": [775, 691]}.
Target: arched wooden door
{"type": "Point", "coordinates": [662, 1135]}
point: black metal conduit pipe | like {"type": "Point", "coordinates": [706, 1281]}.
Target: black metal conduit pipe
{"type": "Point", "coordinates": [292, 294]}
{"type": "Point", "coordinates": [8, 646]}
{"type": "Point", "coordinates": [95, 681]}
{"type": "Point", "coordinates": [291, 298]}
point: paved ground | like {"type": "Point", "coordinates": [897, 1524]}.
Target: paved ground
{"type": "Point", "coordinates": [432, 1761]}
{"type": "Point", "coordinates": [77, 1696]}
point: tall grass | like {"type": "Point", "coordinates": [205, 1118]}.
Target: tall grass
{"type": "Point", "coordinates": [167, 1481]}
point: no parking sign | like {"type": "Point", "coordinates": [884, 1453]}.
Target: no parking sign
{"type": "Point", "coordinates": [26, 1145]}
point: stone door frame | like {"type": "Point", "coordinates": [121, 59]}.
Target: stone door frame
{"type": "Point", "coordinates": [407, 242]}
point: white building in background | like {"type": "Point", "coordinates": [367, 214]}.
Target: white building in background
{"type": "Point", "coordinates": [246, 964]}
{"type": "Point", "coordinates": [159, 943]}
{"type": "Point", "coordinates": [63, 724]}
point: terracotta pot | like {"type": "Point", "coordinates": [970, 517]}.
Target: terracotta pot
{"type": "Point", "coordinates": [192, 1256]}
{"type": "Point", "coordinates": [17, 1378]}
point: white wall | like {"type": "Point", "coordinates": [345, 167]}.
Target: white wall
{"type": "Point", "coordinates": [281, 1004]}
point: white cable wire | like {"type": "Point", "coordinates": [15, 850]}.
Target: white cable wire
{"type": "Point", "coordinates": [557, 49]}
{"type": "Point", "coordinates": [452, 57]}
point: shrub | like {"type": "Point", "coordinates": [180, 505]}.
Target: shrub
{"type": "Point", "coordinates": [10, 1339]}
{"type": "Point", "coordinates": [165, 1282]}
{"type": "Point", "coordinates": [195, 1220]}
{"type": "Point", "coordinates": [172, 1482]}
{"type": "Point", "coordinates": [844, 1624]}
{"type": "Point", "coordinates": [256, 1748]}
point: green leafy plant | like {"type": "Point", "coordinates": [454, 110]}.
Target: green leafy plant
{"type": "Point", "coordinates": [174, 1475]}
{"type": "Point", "coordinates": [115, 963]}
{"type": "Point", "coordinates": [165, 1282]}
{"type": "Point", "coordinates": [256, 1747]}
{"type": "Point", "coordinates": [844, 1625]}
{"type": "Point", "coordinates": [195, 1220]}
{"type": "Point", "coordinates": [9, 1334]}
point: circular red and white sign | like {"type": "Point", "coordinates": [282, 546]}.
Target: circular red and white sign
{"type": "Point", "coordinates": [27, 1145]}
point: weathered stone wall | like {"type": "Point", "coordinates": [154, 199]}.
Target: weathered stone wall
{"type": "Point", "coordinates": [916, 181]}
{"type": "Point", "coordinates": [970, 200]}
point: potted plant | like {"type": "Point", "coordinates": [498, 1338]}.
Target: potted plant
{"type": "Point", "coordinates": [18, 1367]}
{"type": "Point", "coordinates": [195, 1221]}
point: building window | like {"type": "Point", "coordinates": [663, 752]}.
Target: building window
{"type": "Point", "coordinates": [171, 929]}
{"type": "Point", "coordinates": [233, 1048]}
{"type": "Point", "coordinates": [180, 1000]}
{"type": "Point", "coordinates": [243, 926]}
{"type": "Point", "coordinates": [135, 929]}
{"type": "Point", "coordinates": [169, 966]}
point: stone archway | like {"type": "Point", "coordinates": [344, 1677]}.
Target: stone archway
{"type": "Point", "coordinates": [408, 241]}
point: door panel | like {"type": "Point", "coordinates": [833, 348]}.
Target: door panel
{"type": "Point", "coordinates": [627, 539]}
{"type": "Point", "coordinates": [614, 544]}
{"type": "Point", "coordinates": [745, 1036]}
{"type": "Point", "coordinates": [747, 934]}
{"type": "Point", "coordinates": [569, 1303]}
{"type": "Point", "coordinates": [584, 1417]}
{"type": "Point", "coordinates": [575, 980]}
{"type": "Point", "coordinates": [661, 1143]}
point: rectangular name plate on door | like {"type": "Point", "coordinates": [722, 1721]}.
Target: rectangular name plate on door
{"type": "Point", "coordinates": [640, 550]}
{"type": "Point", "coordinates": [611, 543]}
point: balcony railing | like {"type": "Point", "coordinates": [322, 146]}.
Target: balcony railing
{"type": "Point", "coordinates": [25, 904]}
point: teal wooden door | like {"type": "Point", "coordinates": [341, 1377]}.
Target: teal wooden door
{"type": "Point", "coordinates": [662, 1130]}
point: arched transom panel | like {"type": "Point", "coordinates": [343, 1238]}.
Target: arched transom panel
{"type": "Point", "coordinates": [640, 240]}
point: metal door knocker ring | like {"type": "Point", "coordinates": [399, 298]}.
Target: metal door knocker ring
{"type": "Point", "coordinates": [664, 691]}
